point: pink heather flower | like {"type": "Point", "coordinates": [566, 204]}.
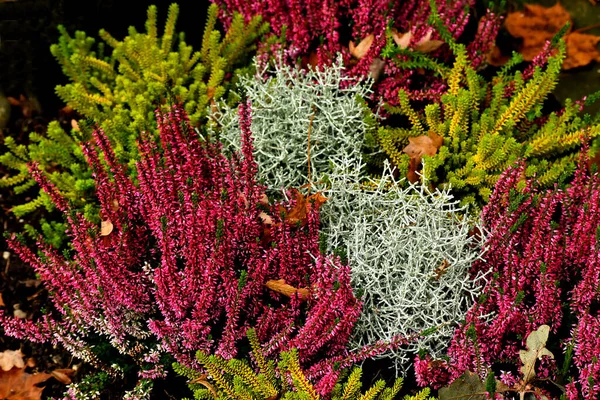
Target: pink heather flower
{"type": "Point", "coordinates": [431, 373]}
{"type": "Point", "coordinates": [542, 250]}
{"type": "Point", "coordinates": [508, 378]}
{"type": "Point", "coordinates": [320, 26]}
{"type": "Point", "coordinates": [185, 265]}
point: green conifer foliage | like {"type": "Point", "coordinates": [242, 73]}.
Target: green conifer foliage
{"type": "Point", "coordinates": [235, 379]}
{"type": "Point", "coordinates": [120, 90]}
{"type": "Point", "coordinates": [487, 126]}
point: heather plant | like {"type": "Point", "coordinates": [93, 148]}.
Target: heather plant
{"type": "Point", "coordinates": [236, 379]}
{"type": "Point", "coordinates": [182, 262]}
{"type": "Point", "coordinates": [316, 32]}
{"type": "Point", "coordinates": [363, 220]}
{"type": "Point", "coordinates": [300, 121]}
{"type": "Point", "coordinates": [484, 127]}
{"type": "Point", "coordinates": [543, 253]}
{"type": "Point", "coordinates": [120, 89]}
{"type": "Point", "coordinates": [410, 251]}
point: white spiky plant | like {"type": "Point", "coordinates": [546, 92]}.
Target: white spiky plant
{"type": "Point", "coordinates": [394, 238]}
{"type": "Point", "coordinates": [410, 250]}
{"type": "Point", "coordinates": [287, 103]}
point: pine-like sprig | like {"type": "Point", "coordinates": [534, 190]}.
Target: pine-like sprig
{"type": "Point", "coordinates": [120, 89]}
{"type": "Point", "coordinates": [234, 379]}
{"type": "Point", "coordinates": [487, 126]}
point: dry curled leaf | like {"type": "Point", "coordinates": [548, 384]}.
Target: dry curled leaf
{"type": "Point", "coordinates": [582, 49]}
{"type": "Point", "coordinates": [11, 359]}
{"type": "Point", "coordinates": [29, 106]}
{"type": "Point", "coordinates": [401, 39]}
{"type": "Point", "coordinates": [441, 270]}
{"type": "Point", "coordinates": [298, 214]}
{"type": "Point", "coordinates": [536, 24]}
{"type": "Point", "coordinates": [536, 349]}
{"type": "Point", "coordinates": [360, 50]}
{"type": "Point", "coordinates": [17, 384]}
{"type": "Point", "coordinates": [424, 45]}
{"type": "Point", "coordinates": [469, 386]}
{"type": "Point", "coordinates": [417, 148]}
{"type": "Point", "coordinates": [106, 227]}
{"type": "Point", "coordinates": [427, 45]}
{"type": "Point", "coordinates": [2, 301]}
{"type": "Point", "coordinates": [202, 380]}
{"type": "Point", "coordinates": [63, 375]}
{"type": "Point", "coordinates": [280, 286]}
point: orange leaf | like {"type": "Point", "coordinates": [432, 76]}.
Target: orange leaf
{"type": "Point", "coordinates": [299, 213]}
{"type": "Point", "coordinates": [16, 384]}
{"type": "Point", "coordinates": [401, 39]}
{"type": "Point", "coordinates": [202, 381]}
{"type": "Point", "coordinates": [413, 167]}
{"type": "Point", "coordinates": [2, 301]}
{"type": "Point", "coordinates": [417, 148]}
{"type": "Point", "coordinates": [106, 227]}
{"type": "Point", "coordinates": [63, 375]}
{"type": "Point", "coordinates": [441, 269]}
{"type": "Point", "coordinates": [360, 50]}
{"type": "Point", "coordinates": [582, 49]}
{"type": "Point", "coordinates": [423, 145]}
{"type": "Point", "coordinates": [312, 60]}
{"type": "Point", "coordinates": [114, 204]}
{"type": "Point", "coordinates": [426, 45]}
{"type": "Point", "coordinates": [535, 25]}
{"type": "Point", "coordinates": [280, 286]}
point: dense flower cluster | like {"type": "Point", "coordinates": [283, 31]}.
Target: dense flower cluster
{"type": "Point", "coordinates": [545, 257]}
{"type": "Point", "coordinates": [316, 30]}
{"type": "Point", "coordinates": [181, 260]}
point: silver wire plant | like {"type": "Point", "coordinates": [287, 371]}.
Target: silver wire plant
{"type": "Point", "coordinates": [288, 106]}
{"type": "Point", "coordinates": [410, 250]}
{"type": "Point", "coordinates": [394, 239]}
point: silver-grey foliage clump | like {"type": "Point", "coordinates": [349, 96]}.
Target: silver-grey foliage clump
{"type": "Point", "coordinates": [409, 250]}
{"type": "Point", "coordinates": [284, 100]}
{"type": "Point", "coordinates": [394, 238]}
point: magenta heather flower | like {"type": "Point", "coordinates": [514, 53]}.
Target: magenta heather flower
{"type": "Point", "coordinates": [183, 258]}
{"type": "Point", "coordinates": [316, 30]}
{"type": "Point", "coordinates": [544, 255]}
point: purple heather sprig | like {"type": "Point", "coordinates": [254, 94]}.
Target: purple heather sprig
{"type": "Point", "coordinates": [543, 251]}
{"type": "Point", "coordinates": [185, 264]}
{"type": "Point", "coordinates": [316, 27]}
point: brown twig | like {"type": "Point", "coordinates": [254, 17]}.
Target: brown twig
{"type": "Point", "coordinates": [312, 117]}
{"type": "Point", "coordinates": [586, 28]}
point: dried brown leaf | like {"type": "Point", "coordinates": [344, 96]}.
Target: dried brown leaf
{"type": "Point", "coordinates": [16, 384]}
{"type": "Point", "coordinates": [10, 359]}
{"type": "Point", "coordinates": [280, 286]}
{"type": "Point", "coordinates": [536, 24]}
{"type": "Point", "coordinates": [63, 375]}
{"type": "Point", "coordinates": [417, 148]}
{"type": "Point", "coordinates": [360, 50]}
{"type": "Point", "coordinates": [582, 49]}
{"type": "Point", "coordinates": [106, 227]}
{"type": "Point", "coordinates": [299, 212]}
{"type": "Point", "coordinates": [202, 380]}
{"type": "Point", "coordinates": [536, 349]}
{"type": "Point", "coordinates": [401, 39]}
